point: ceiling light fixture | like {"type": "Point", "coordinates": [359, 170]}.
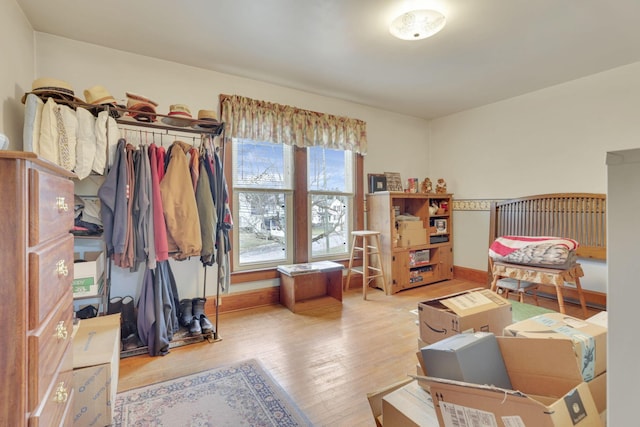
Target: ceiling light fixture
{"type": "Point", "coordinates": [417, 24]}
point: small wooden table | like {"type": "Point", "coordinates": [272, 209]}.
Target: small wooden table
{"type": "Point", "coordinates": [311, 285]}
{"type": "Point", "coordinates": [546, 276]}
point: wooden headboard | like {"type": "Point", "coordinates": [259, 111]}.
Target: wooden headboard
{"type": "Point", "coordinates": [578, 216]}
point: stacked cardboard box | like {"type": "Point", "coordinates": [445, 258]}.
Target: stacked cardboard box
{"type": "Point", "coordinates": [557, 368]}
{"type": "Point", "coordinates": [411, 233]}
{"type": "Point", "coordinates": [476, 310]}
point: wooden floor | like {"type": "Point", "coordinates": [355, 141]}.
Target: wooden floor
{"type": "Point", "coordinates": [327, 360]}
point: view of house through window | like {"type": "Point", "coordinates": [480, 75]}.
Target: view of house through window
{"type": "Point", "coordinates": [330, 186]}
{"type": "Point", "coordinates": [263, 194]}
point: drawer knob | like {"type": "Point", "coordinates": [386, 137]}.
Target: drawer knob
{"type": "Point", "coordinates": [61, 204]}
{"type": "Point", "coordinates": [61, 268]}
{"type": "Point", "coordinates": [61, 331]}
{"type": "Point", "coordinates": [62, 394]}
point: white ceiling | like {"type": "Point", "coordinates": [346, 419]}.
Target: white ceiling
{"type": "Point", "coordinates": [489, 50]}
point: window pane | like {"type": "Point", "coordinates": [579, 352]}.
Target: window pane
{"type": "Point", "coordinates": [262, 227]}
{"type": "Point", "coordinates": [261, 165]}
{"type": "Point", "coordinates": [329, 170]}
{"type": "Point", "coordinates": [329, 224]}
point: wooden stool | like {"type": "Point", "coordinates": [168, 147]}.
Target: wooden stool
{"type": "Point", "coordinates": [544, 276]}
{"type": "Point", "coordinates": [370, 246]}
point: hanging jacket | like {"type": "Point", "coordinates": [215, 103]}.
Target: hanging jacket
{"type": "Point", "coordinates": [159, 225]}
{"type": "Point", "coordinates": [207, 215]}
{"type": "Point", "coordinates": [179, 205]}
{"type": "Point", "coordinates": [157, 309]}
{"type": "Point", "coordinates": [113, 206]}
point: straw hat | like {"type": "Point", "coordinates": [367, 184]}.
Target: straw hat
{"type": "Point", "coordinates": [53, 88]}
{"type": "Point", "coordinates": [98, 95]}
{"type": "Point", "coordinates": [179, 115]}
{"type": "Point", "coordinates": [207, 116]}
{"type": "Point", "coordinates": [141, 108]}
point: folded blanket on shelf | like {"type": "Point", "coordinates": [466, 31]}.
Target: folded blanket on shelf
{"type": "Point", "coordinates": [553, 252]}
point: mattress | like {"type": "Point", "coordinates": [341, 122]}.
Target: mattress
{"type": "Point", "coordinates": [539, 251]}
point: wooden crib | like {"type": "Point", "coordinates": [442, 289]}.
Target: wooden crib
{"type": "Point", "coordinates": [578, 216]}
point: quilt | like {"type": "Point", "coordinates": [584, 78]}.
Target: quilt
{"type": "Point", "coordinates": [539, 251]}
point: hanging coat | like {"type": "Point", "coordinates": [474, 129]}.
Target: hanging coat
{"type": "Point", "coordinates": [113, 207]}
{"type": "Point", "coordinates": [157, 309]}
{"type": "Point", "coordinates": [179, 205]}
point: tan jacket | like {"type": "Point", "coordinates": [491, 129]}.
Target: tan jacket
{"type": "Point", "coordinates": [179, 205]}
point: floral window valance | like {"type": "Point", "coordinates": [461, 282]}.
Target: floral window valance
{"type": "Point", "coordinates": [266, 121]}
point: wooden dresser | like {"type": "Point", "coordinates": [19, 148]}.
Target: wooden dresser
{"type": "Point", "coordinates": [36, 271]}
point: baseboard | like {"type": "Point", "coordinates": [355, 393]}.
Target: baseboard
{"type": "Point", "coordinates": [593, 298]}
{"type": "Point", "coordinates": [248, 299]}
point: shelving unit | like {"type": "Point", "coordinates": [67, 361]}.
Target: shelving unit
{"type": "Point", "coordinates": [407, 265]}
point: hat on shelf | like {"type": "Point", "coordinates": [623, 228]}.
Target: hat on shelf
{"type": "Point", "coordinates": [52, 88]}
{"type": "Point", "coordinates": [207, 116]}
{"type": "Point", "coordinates": [141, 108]}
{"type": "Point", "coordinates": [98, 95]}
{"type": "Point", "coordinates": [179, 115]}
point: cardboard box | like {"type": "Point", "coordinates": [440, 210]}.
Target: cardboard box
{"type": "Point", "coordinates": [375, 399]}
{"type": "Point", "coordinates": [475, 310]}
{"type": "Point", "coordinates": [589, 340]}
{"type": "Point", "coordinates": [408, 406]}
{"type": "Point", "coordinates": [409, 226]}
{"type": "Point", "coordinates": [470, 357]}
{"type": "Point", "coordinates": [548, 384]}
{"type": "Point", "coordinates": [411, 233]}
{"type": "Point", "coordinates": [96, 361]}
{"type": "Point", "coordinates": [87, 274]}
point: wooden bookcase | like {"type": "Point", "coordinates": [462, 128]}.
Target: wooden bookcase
{"type": "Point", "coordinates": [407, 267]}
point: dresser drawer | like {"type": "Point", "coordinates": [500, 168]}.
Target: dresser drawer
{"type": "Point", "coordinates": [46, 347]}
{"type": "Point", "coordinates": [56, 408]}
{"type": "Point", "coordinates": [50, 277]}
{"type": "Point", "coordinates": [51, 206]}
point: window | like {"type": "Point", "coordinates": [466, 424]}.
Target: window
{"type": "Point", "coordinates": [262, 202]}
{"type": "Point", "coordinates": [330, 187]}
{"type": "Point", "coordinates": [296, 186]}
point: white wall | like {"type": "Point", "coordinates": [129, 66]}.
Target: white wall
{"type": "Point", "coordinates": [552, 140]}
{"type": "Point", "coordinates": [396, 143]}
{"type": "Point", "coordinates": [16, 72]}
{"type": "Point", "coordinates": [549, 141]}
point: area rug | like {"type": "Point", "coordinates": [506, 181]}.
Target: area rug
{"type": "Point", "coordinates": [242, 394]}
{"type": "Point", "coordinates": [522, 311]}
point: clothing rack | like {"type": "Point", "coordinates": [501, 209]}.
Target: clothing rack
{"type": "Point", "coordinates": [206, 129]}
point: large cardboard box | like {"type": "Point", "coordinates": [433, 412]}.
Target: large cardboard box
{"type": "Point", "coordinates": [408, 406]}
{"type": "Point", "coordinates": [589, 340]}
{"type": "Point", "coordinates": [548, 390]}
{"type": "Point", "coordinates": [96, 361]}
{"type": "Point", "coordinates": [87, 273]}
{"type": "Point", "coordinates": [411, 233]}
{"type": "Point", "coordinates": [375, 398]}
{"type": "Point", "coordinates": [475, 310]}
{"type": "Point", "coordinates": [470, 357]}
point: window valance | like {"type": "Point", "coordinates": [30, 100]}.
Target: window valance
{"type": "Point", "coordinates": [266, 121]}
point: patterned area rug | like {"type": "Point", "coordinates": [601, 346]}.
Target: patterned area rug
{"type": "Point", "coordinates": [242, 394]}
